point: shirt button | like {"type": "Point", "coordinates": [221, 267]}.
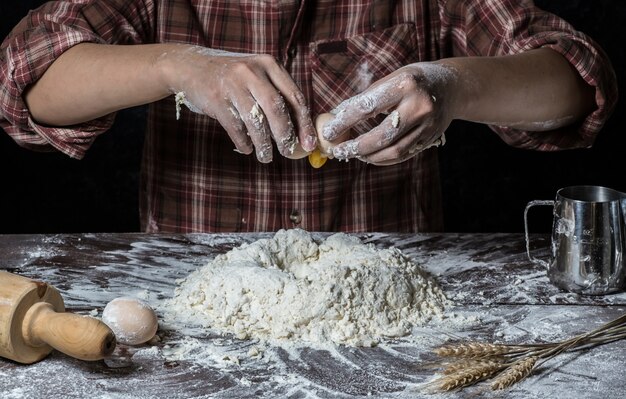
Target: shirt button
{"type": "Point", "coordinates": [295, 217]}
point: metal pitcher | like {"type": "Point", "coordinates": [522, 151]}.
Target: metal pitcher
{"type": "Point", "coordinates": [588, 234]}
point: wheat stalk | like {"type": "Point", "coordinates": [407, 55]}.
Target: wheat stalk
{"type": "Point", "coordinates": [474, 350]}
{"type": "Point", "coordinates": [510, 363]}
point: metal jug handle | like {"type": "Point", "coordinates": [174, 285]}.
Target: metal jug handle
{"type": "Point", "coordinates": [536, 261]}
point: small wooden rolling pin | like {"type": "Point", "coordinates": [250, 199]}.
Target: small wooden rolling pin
{"type": "Point", "coordinates": [33, 322]}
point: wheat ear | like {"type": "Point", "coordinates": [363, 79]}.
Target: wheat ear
{"type": "Point", "coordinates": [464, 364]}
{"type": "Point", "coordinates": [515, 373]}
{"type": "Point", "coordinates": [466, 377]}
{"type": "Point", "coordinates": [478, 350]}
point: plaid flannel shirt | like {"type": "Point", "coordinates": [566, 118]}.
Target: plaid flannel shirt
{"type": "Point", "coordinates": [193, 181]}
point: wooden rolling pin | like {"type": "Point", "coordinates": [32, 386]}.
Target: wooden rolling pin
{"type": "Point", "coordinates": [33, 322]}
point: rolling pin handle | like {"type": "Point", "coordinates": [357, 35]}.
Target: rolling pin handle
{"type": "Point", "coordinates": [42, 288]}
{"type": "Point", "coordinates": [81, 337]}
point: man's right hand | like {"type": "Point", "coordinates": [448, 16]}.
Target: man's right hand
{"type": "Point", "coordinates": [252, 96]}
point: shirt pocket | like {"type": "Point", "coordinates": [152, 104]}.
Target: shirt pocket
{"type": "Point", "coordinates": [342, 68]}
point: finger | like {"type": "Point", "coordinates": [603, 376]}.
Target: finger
{"type": "Point", "coordinates": [277, 115]}
{"type": "Point", "coordinates": [389, 130]}
{"type": "Point", "coordinates": [376, 100]}
{"type": "Point", "coordinates": [407, 147]}
{"type": "Point", "coordinates": [397, 153]}
{"type": "Point", "coordinates": [409, 112]}
{"type": "Point", "coordinates": [256, 123]}
{"type": "Point", "coordinates": [232, 122]}
{"type": "Point", "coordinates": [296, 103]}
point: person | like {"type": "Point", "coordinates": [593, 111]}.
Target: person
{"type": "Point", "coordinates": [252, 75]}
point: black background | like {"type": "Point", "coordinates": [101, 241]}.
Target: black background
{"type": "Point", "coordinates": [486, 184]}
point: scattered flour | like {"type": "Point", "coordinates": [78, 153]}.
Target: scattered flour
{"type": "Point", "coordinates": [364, 76]}
{"type": "Point", "coordinates": [256, 114]}
{"type": "Point", "coordinates": [395, 119]}
{"type": "Point", "coordinates": [291, 288]}
{"type": "Point", "coordinates": [180, 99]}
{"type": "Point", "coordinates": [438, 142]}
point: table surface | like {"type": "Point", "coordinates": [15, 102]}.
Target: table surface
{"type": "Point", "coordinates": [498, 296]}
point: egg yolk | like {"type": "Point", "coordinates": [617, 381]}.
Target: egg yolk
{"type": "Point", "coordinates": [316, 159]}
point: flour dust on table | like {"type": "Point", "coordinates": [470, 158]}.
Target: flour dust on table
{"type": "Point", "coordinates": [293, 288]}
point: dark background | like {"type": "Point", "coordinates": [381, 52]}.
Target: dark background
{"type": "Point", "coordinates": [486, 184]}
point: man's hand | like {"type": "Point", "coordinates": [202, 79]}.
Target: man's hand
{"type": "Point", "coordinates": [537, 90]}
{"type": "Point", "coordinates": [418, 102]}
{"type": "Point", "coordinates": [252, 96]}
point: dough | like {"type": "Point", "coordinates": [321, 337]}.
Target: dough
{"type": "Point", "coordinates": [132, 320]}
{"type": "Point", "coordinates": [292, 288]}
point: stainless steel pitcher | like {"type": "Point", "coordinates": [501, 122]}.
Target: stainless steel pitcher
{"type": "Point", "coordinates": [588, 233]}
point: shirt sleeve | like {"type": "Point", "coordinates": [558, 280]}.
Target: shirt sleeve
{"type": "Point", "coordinates": [503, 27]}
{"type": "Point", "coordinates": [39, 39]}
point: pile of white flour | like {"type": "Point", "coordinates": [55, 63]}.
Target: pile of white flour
{"type": "Point", "coordinates": [290, 287]}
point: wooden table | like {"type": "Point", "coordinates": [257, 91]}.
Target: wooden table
{"type": "Point", "coordinates": [498, 294]}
